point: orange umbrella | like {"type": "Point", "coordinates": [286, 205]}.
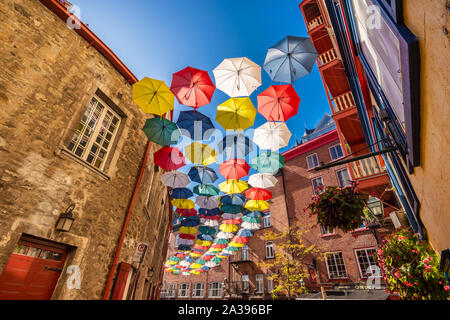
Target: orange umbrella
{"type": "Point", "coordinates": [234, 169]}
{"type": "Point", "coordinates": [258, 194]}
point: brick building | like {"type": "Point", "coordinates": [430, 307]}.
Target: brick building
{"type": "Point", "coordinates": [70, 134]}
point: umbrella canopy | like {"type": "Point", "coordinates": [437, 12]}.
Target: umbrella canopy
{"type": "Point", "coordinates": [253, 214]}
{"type": "Point", "coordinates": [205, 237]}
{"type": "Point", "coordinates": [290, 59]}
{"type": "Point", "coordinates": [219, 246]}
{"type": "Point", "coordinates": [262, 180]}
{"type": "Point", "coordinates": [190, 222]}
{"type": "Point", "coordinates": [206, 202]}
{"type": "Point", "coordinates": [244, 233]}
{"type": "Point", "coordinates": [186, 212]}
{"type": "Point", "coordinates": [199, 153]}
{"type": "Point", "coordinates": [207, 230]}
{"type": "Point", "coordinates": [221, 241]}
{"type": "Point", "coordinates": [183, 247]}
{"type": "Point", "coordinates": [210, 222]}
{"type": "Point", "coordinates": [169, 158]}
{"type": "Point", "coordinates": [233, 186]}
{"type": "Point", "coordinates": [206, 190]}
{"type": "Point", "coordinates": [236, 114]}
{"type": "Point", "coordinates": [202, 175]}
{"type": "Point", "coordinates": [234, 169]}
{"type": "Point", "coordinates": [225, 234]}
{"type": "Point", "coordinates": [209, 212]}
{"type": "Point", "coordinates": [232, 221]}
{"type": "Point", "coordinates": [232, 199]}
{"type": "Point", "coordinates": [180, 193]}
{"type": "Point", "coordinates": [230, 228]}
{"type": "Point", "coordinates": [186, 236]}
{"type": "Point", "coordinates": [195, 125]}
{"type": "Point", "coordinates": [235, 146]}
{"type": "Point", "coordinates": [235, 245]}
{"type": "Point", "coordinates": [251, 225]}
{"type": "Point", "coordinates": [258, 194]}
{"type": "Point", "coordinates": [230, 208]}
{"type": "Point", "coordinates": [183, 203]}
{"type": "Point", "coordinates": [278, 103]}
{"type": "Point", "coordinates": [257, 205]}
{"type": "Point", "coordinates": [192, 87]}
{"type": "Point", "coordinates": [239, 239]}
{"type": "Point", "coordinates": [175, 179]}
{"type": "Point", "coordinates": [232, 248]}
{"type": "Point", "coordinates": [250, 220]}
{"type": "Point", "coordinates": [227, 216]}
{"type": "Point", "coordinates": [267, 162]}
{"type": "Point", "coordinates": [161, 131]}
{"type": "Point", "coordinates": [272, 136]}
{"type": "Point", "coordinates": [153, 96]}
{"type": "Point", "coordinates": [237, 77]}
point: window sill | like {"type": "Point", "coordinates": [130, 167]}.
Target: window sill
{"type": "Point", "coordinates": [359, 230]}
{"type": "Point", "coordinates": [328, 235]}
{"type": "Point", "coordinates": [70, 155]}
{"type": "Point", "coordinates": [338, 279]}
{"type": "Point", "coordinates": [269, 258]}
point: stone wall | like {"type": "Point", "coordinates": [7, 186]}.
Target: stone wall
{"type": "Point", "coordinates": [49, 74]}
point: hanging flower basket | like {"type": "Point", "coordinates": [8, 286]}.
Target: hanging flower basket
{"type": "Point", "coordinates": [410, 268]}
{"type": "Point", "coordinates": [339, 208]}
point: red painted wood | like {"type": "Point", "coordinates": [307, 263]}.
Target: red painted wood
{"type": "Point", "coordinates": [121, 281]}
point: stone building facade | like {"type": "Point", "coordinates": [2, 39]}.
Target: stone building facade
{"type": "Point", "coordinates": [59, 90]}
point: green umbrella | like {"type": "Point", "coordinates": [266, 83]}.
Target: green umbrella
{"type": "Point", "coordinates": [230, 248]}
{"type": "Point", "coordinates": [230, 208]}
{"type": "Point", "coordinates": [200, 261]}
{"type": "Point", "coordinates": [251, 220]}
{"type": "Point", "coordinates": [267, 162]}
{"type": "Point", "coordinates": [220, 241]}
{"type": "Point", "coordinates": [161, 131]}
{"type": "Point", "coordinates": [206, 190]}
{"type": "Point", "coordinates": [216, 260]}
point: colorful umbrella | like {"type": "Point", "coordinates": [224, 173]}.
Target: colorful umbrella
{"type": "Point", "coordinates": [205, 237]}
{"type": "Point", "coordinates": [186, 212]}
{"type": "Point", "coordinates": [231, 221]}
{"type": "Point", "coordinates": [251, 225]}
{"type": "Point", "coordinates": [202, 175]}
{"type": "Point", "coordinates": [239, 239]}
{"type": "Point", "coordinates": [250, 220]}
{"type": "Point", "coordinates": [235, 146]}
{"type": "Point", "coordinates": [192, 87]}
{"type": "Point", "coordinates": [236, 114]}
{"type": "Point", "coordinates": [169, 158]}
{"type": "Point", "coordinates": [238, 77]}
{"type": "Point", "coordinates": [258, 194]}
{"type": "Point", "coordinates": [161, 131]}
{"type": "Point", "coordinates": [199, 153]}
{"type": "Point", "coordinates": [153, 96]}
{"type": "Point", "coordinates": [234, 169]}
{"type": "Point", "coordinates": [206, 190]}
{"type": "Point", "coordinates": [231, 248]}
{"type": "Point", "coordinates": [227, 216]}
{"type": "Point", "coordinates": [188, 230]}
{"type": "Point", "coordinates": [233, 186]}
{"type": "Point", "coordinates": [190, 222]}
{"type": "Point", "coordinates": [257, 205]}
{"type": "Point", "coordinates": [207, 230]}
{"type": "Point", "coordinates": [272, 136]}
{"type": "Point", "coordinates": [232, 199]}
{"type": "Point", "coordinates": [244, 233]}
{"type": "Point", "coordinates": [211, 222]}
{"type": "Point", "coordinates": [278, 103]}
{"type": "Point", "coordinates": [253, 214]}
{"type": "Point", "coordinates": [221, 241]}
{"type": "Point", "coordinates": [180, 193]}
{"type": "Point", "coordinates": [209, 212]}
{"type": "Point", "coordinates": [195, 125]}
{"type": "Point", "coordinates": [183, 203]}
{"type": "Point", "coordinates": [230, 208]}
{"type": "Point", "coordinates": [228, 228]}
{"type": "Point", "coordinates": [207, 202]}
{"type": "Point", "coordinates": [186, 236]}
{"type": "Point", "coordinates": [290, 59]}
{"type": "Point", "coordinates": [184, 247]}
{"type": "Point", "coordinates": [175, 179]}
{"type": "Point", "coordinates": [267, 162]}
{"type": "Point", "coordinates": [262, 180]}
{"type": "Point", "coordinates": [235, 245]}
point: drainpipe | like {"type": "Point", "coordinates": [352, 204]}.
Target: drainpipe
{"type": "Point", "coordinates": [113, 269]}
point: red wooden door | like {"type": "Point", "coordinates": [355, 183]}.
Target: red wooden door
{"type": "Point", "coordinates": [32, 271]}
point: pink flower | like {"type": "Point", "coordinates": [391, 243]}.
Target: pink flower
{"type": "Point", "coordinates": [446, 288]}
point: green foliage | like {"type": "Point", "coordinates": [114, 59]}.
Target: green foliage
{"type": "Point", "coordinates": [341, 208]}
{"type": "Point", "coordinates": [410, 267]}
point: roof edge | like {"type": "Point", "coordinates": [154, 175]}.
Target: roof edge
{"type": "Point", "coordinates": [311, 145]}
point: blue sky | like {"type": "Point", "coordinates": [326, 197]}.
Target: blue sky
{"type": "Point", "coordinates": [157, 38]}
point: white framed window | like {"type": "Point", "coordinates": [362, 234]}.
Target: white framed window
{"type": "Point", "coordinates": [215, 290]}
{"type": "Point", "coordinates": [336, 266]}
{"type": "Point", "coordinates": [244, 253]}
{"type": "Point", "coordinates": [170, 291]}
{"type": "Point", "coordinates": [343, 177]}
{"type": "Point", "coordinates": [336, 152]}
{"type": "Point", "coordinates": [312, 160]}
{"type": "Point", "coordinates": [163, 294]}
{"type": "Point", "coordinates": [266, 220]}
{"type": "Point", "coordinates": [259, 283]}
{"type": "Point", "coordinates": [95, 134]}
{"type": "Point", "coordinates": [317, 182]}
{"type": "Point", "coordinates": [183, 290]}
{"type": "Point", "coordinates": [365, 260]}
{"type": "Point", "coordinates": [269, 283]}
{"type": "Point", "coordinates": [269, 250]}
{"type": "Point", "coordinates": [198, 290]}
{"type": "Point", "coordinates": [326, 230]}
{"type": "Point", "coordinates": [245, 283]}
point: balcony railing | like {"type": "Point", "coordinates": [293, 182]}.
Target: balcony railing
{"type": "Point", "coordinates": [367, 167]}
{"type": "Point", "coordinates": [343, 102]}
{"type": "Point", "coordinates": [315, 23]}
{"type": "Point", "coordinates": [327, 57]}
{"type": "Point", "coordinates": [240, 288]}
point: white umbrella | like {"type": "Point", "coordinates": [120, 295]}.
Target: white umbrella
{"type": "Point", "coordinates": [209, 222]}
{"type": "Point", "coordinates": [225, 235]}
{"type": "Point", "coordinates": [187, 242]}
{"type": "Point", "coordinates": [272, 136]}
{"type": "Point", "coordinates": [207, 202]}
{"type": "Point", "coordinates": [262, 180]}
{"type": "Point", "coordinates": [250, 225]}
{"type": "Point", "coordinates": [211, 264]}
{"type": "Point", "coordinates": [237, 77]}
{"type": "Point", "coordinates": [175, 179]}
{"type": "Point", "coordinates": [227, 216]}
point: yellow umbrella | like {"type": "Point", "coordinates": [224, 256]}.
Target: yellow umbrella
{"type": "Point", "coordinates": [203, 243]}
{"type": "Point", "coordinates": [195, 271]}
{"type": "Point", "coordinates": [215, 249]}
{"type": "Point", "coordinates": [188, 230]}
{"type": "Point", "coordinates": [195, 255]}
{"type": "Point", "coordinates": [199, 153]}
{"type": "Point", "coordinates": [233, 186]}
{"type": "Point", "coordinates": [183, 203]}
{"type": "Point", "coordinates": [236, 114]}
{"type": "Point", "coordinates": [195, 266]}
{"type": "Point", "coordinates": [228, 227]}
{"type": "Point", "coordinates": [153, 96]}
{"type": "Point", "coordinates": [257, 205]}
{"type": "Point", "coordinates": [236, 244]}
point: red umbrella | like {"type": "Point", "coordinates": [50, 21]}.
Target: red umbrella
{"type": "Point", "coordinates": [186, 212]}
{"type": "Point", "coordinates": [278, 103]}
{"type": "Point", "coordinates": [232, 221]}
{"type": "Point", "coordinates": [186, 236]}
{"type": "Point", "coordinates": [238, 239]}
{"type": "Point", "coordinates": [234, 169]}
{"type": "Point", "coordinates": [192, 87]}
{"type": "Point", "coordinates": [216, 217]}
{"type": "Point", "coordinates": [218, 246]}
{"type": "Point", "coordinates": [258, 194]}
{"type": "Point", "coordinates": [169, 158]}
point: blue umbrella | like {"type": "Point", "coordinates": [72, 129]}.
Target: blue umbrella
{"type": "Point", "coordinates": [205, 237]}
{"type": "Point", "coordinates": [209, 212]}
{"type": "Point", "coordinates": [235, 146]}
{"type": "Point", "coordinates": [181, 193]}
{"type": "Point", "coordinates": [189, 258]}
{"type": "Point", "coordinates": [290, 59]}
{"type": "Point", "coordinates": [195, 125]}
{"type": "Point", "coordinates": [244, 233]}
{"type": "Point", "coordinates": [190, 221]}
{"type": "Point", "coordinates": [184, 247]}
{"type": "Point", "coordinates": [229, 208]}
{"type": "Point", "coordinates": [253, 214]}
{"type": "Point", "coordinates": [205, 268]}
{"type": "Point", "coordinates": [203, 175]}
{"type": "Point", "coordinates": [234, 199]}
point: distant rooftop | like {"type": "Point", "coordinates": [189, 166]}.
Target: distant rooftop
{"type": "Point", "coordinates": [325, 125]}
